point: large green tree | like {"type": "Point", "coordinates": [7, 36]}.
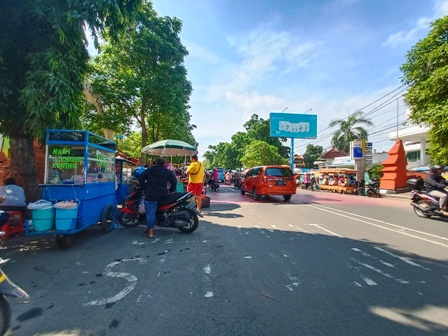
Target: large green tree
{"type": "Point", "coordinates": [426, 73]}
{"type": "Point", "coordinates": [143, 81]}
{"type": "Point", "coordinates": [260, 153]}
{"type": "Point", "coordinates": [312, 153]}
{"type": "Point", "coordinates": [43, 63]}
{"type": "Point", "coordinates": [349, 130]}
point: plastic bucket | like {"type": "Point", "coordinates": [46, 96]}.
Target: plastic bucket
{"type": "Point", "coordinates": [66, 218]}
{"type": "Point", "coordinates": [43, 219]}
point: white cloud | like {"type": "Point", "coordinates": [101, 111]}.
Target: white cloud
{"type": "Point", "coordinates": [441, 8]}
{"type": "Point", "coordinates": [202, 53]}
{"type": "Point", "coordinates": [406, 36]}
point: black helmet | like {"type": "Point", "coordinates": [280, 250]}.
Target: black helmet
{"type": "Point", "coordinates": [434, 169]}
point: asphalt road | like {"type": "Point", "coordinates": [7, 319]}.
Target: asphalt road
{"type": "Point", "coordinates": [321, 264]}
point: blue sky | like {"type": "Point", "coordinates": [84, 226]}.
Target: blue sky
{"type": "Point", "coordinates": [334, 57]}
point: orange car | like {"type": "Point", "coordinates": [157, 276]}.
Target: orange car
{"type": "Point", "coordinates": [269, 180]}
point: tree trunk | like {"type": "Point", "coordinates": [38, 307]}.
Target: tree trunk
{"type": "Point", "coordinates": [23, 166]}
{"type": "Point", "coordinates": [144, 131]}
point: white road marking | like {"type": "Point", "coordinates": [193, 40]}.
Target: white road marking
{"type": "Point", "coordinates": [357, 284]}
{"type": "Point", "coordinates": [132, 281]}
{"type": "Point", "coordinates": [156, 240]}
{"type": "Point", "coordinates": [406, 260]}
{"type": "Point", "coordinates": [387, 275]}
{"type": "Point", "coordinates": [247, 257]}
{"type": "Point", "coordinates": [366, 279]}
{"type": "Point", "coordinates": [331, 232]}
{"type": "Point", "coordinates": [297, 228]}
{"type": "Point", "coordinates": [207, 269]}
{"type": "Point", "coordinates": [208, 294]}
{"type": "Point", "coordinates": [365, 254]}
{"type": "Point", "coordinates": [334, 212]}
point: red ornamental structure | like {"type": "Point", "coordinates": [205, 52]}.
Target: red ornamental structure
{"type": "Point", "coordinates": [394, 171]}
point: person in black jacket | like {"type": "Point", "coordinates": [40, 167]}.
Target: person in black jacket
{"type": "Point", "coordinates": [154, 182]}
{"type": "Point", "coordinates": [435, 186]}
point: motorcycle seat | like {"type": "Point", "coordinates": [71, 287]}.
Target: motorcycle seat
{"type": "Point", "coordinates": [170, 199]}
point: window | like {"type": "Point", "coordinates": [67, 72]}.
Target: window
{"type": "Point", "coordinates": [413, 156]}
{"type": "Point", "coordinates": [278, 172]}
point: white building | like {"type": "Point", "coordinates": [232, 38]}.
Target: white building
{"type": "Point", "coordinates": [415, 141]}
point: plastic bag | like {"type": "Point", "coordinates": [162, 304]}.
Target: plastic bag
{"type": "Point", "coordinates": [66, 205]}
{"type": "Point", "coordinates": [141, 207]}
{"type": "Point", "coordinates": [40, 204]}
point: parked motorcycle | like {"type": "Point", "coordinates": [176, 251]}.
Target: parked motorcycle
{"type": "Point", "coordinates": [372, 189]}
{"type": "Point", "coordinates": [176, 210]}
{"type": "Point", "coordinates": [424, 205]}
{"type": "Point", "coordinates": [7, 288]}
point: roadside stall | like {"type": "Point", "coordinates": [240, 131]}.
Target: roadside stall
{"type": "Point", "coordinates": [79, 186]}
{"type": "Point", "coordinates": [337, 180]}
{"type": "Point", "coordinates": [123, 170]}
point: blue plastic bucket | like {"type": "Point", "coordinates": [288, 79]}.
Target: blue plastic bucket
{"type": "Point", "coordinates": [43, 219]}
{"type": "Point", "coordinates": [66, 218]}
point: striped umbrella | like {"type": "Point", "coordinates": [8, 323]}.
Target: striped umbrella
{"type": "Point", "coordinates": [170, 148]}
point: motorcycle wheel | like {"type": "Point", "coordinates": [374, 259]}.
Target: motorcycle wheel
{"type": "Point", "coordinates": [420, 213]}
{"type": "Point", "coordinates": [5, 315]}
{"type": "Point", "coordinates": [369, 193]}
{"type": "Point", "coordinates": [193, 222]}
{"type": "Point", "coordinates": [128, 220]}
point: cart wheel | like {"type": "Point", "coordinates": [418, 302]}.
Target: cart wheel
{"type": "Point", "coordinates": [108, 218]}
{"type": "Point", "coordinates": [63, 241]}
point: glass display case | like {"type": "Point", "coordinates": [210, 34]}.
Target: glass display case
{"type": "Point", "coordinates": [79, 157]}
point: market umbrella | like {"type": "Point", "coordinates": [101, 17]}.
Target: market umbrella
{"type": "Point", "coordinates": [169, 148]}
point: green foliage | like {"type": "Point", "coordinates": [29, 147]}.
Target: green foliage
{"type": "Point", "coordinates": [375, 171]}
{"type": "Point", "coordinates": [131, 144]}
{"type": "Point", "coordinates": [230, 154]}
{"type": "Point", "coordinates": [312, 153]}
{"type": "Point", "coordinates": [348, 131]}
{"type": "Point", "coordinates": [143, 82]}
{"type": "Point", "coordinates": [426, 73]}
{"type": "Point", "coordinates": [261, 153]}
{"type": "Point", "coordinates": [43, 63]}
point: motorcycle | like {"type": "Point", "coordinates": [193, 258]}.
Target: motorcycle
{"type": "Point", "coordinates": [424, 205]}
{"type": "Point", "coordinates": [214, 185]}
{"type": "Point", "coordinates": [237, 183]}
{"type": "Point", "coordinates": [373, 188]}
{"type": "Point", "coordinates": [228, 179]}
{"type": "Point", "coordinates": [176, 210]}
{"type": "Point", "coordinates": [7, 288]}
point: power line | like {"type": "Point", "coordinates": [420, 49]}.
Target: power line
{"type": "Point", "coordinates": [390, 100]}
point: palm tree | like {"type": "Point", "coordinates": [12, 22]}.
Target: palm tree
{"type": "Point", "coordinates": [348, 131]}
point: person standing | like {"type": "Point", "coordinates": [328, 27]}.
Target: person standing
{"type": "Point", "coordinates": [153, 181]}
{"type": "Point", "coordinates": [195, 173]}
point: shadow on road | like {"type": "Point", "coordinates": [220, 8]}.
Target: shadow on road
{"type": "Point", "coordinates": [264, 281]}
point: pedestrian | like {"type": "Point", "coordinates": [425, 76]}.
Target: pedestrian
{"type": "Point", "coordinates": [154, 181]}
{"type": "Point", "coordinates": [306, 181]}
{"type": "Point", "coordinates": [195, 173]}
{"type": "Point", "coordinates": [312, 182]}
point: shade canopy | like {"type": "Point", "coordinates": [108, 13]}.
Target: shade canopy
{"type": "Point", "coordinates": [169, 148]}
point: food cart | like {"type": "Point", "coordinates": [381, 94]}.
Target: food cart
{"type": "Point", "coordinates": [330, 179]}
{"type": "Point", "coordinates": [79, 167]}
{"type": "Point", "coordinates": [123, 170]}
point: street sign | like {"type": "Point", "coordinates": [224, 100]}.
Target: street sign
{"type": "Point", "coordinates": [290, 125]}
{"type": "Point", "coordinates": [357, 149]}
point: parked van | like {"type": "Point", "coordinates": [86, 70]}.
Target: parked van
{"type": "Point", "coordinates": [221, 174]}
{"type": "Point", "coordinates": [269, 180]}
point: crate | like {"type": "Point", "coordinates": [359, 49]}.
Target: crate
{"type": "Point", "coordinates": [66, 219]}
{"type": "Point", "coordinates": [43, 219]}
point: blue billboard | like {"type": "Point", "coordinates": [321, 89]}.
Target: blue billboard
{"type": "Point", "coordinates": [289, 125]}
